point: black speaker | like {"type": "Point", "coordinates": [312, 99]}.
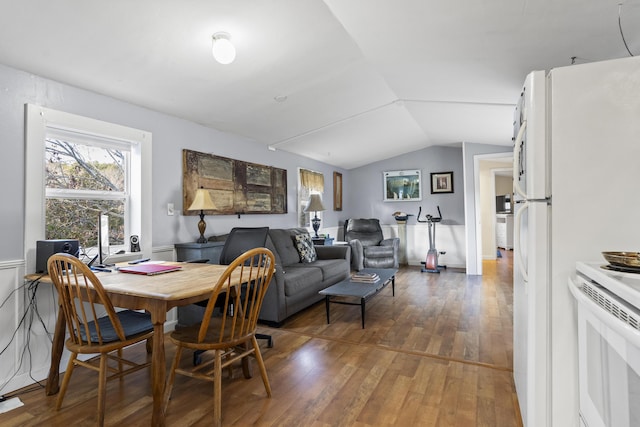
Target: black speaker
{"type": "Point", "coordinates": [46, 248]}
{"type": "Point", "coordinates": [135, 243]}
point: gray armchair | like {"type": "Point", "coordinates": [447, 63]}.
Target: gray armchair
{"type": "Point", "coordinates": [369, 249]}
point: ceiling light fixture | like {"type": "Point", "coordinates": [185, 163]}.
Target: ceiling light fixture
{"type": "Point", "coordinates": [223, 50]}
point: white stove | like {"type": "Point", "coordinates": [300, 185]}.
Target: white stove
{"type": "Point", "coordinates": [608, 345]}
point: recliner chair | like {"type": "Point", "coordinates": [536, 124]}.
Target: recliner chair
{"type": "Point", "coordinates": [369, 249]}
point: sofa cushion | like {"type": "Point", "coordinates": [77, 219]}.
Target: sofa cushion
{"type": "Point", "coordinates": [297, 279]}
{"type": "Point", "coordinates": [283, 243]}
{"type": "Point", "coordinates": [304, 244]}
{"type": "Point", "coordinates": [333, 268]}
{"type": "Point", "coordinates": [279, 266]}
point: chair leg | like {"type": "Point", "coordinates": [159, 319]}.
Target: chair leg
{"type": "Point", "coordinates": [217, 389]}
{"type": "Point", "coordinates": [102, 386]}
{"type": "Point", "coordinates": [65, 380]}
{"type": "Point", "coordinates": [263, 369]}
{"type": "Point", "coordinates": [172, 376]}
{"type": "Point", "coordinates": [197, 357]}
{"type": "Point", "coordinates": [269, 339]}
{"type": "Point", "coordinates": [246, 362]}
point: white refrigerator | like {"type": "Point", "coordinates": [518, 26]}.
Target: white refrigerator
{"type": "Point", "coordinates": [576, 181]}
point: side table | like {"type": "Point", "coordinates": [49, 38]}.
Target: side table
{"type": "Point", "coordinates": [322, 241]}
{"type": "Point", "coordinates": [194, 251]}
{"type": "Point", "coordinates": [192, 313]}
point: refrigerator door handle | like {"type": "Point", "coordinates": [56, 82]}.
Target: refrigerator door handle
{"type": "Point", "coordinates": [516, 161]}
{"type": "Point", "coordinates": [516, 240]}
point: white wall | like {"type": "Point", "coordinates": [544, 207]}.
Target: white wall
{"type": "Point", "coordinates": [170, 136]}
{"type": "Point", "coordinates": [365, 185]}
{"type": "Point", "coordinates": [504, 184]}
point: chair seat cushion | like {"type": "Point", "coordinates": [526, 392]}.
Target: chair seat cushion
{"type": "Point", "coordinates": [216, 336]}
{"type": "Point", "coordinates": [132, 322]}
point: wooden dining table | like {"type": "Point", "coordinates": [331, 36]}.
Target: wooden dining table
{"type": "Point", "coordinates": [155, 294]}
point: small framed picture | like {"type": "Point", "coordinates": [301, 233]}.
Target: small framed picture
{"type": "Point", "coordinates": [402, 186]}
{"type": "Point", "coordinates": [441, 182]}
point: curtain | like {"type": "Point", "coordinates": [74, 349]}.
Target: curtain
{"type": "Point", "coordinates": [312, 181]}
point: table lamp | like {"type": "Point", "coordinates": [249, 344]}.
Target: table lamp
{"type": "Point", "coordinates": [202, 202]}
{"type": "Point", "coordinates": [315, 205]}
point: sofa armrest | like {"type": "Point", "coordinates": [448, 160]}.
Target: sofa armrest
{"type": "Point", "coordinates": [334, 252]}
{"type": "Point", "coordinates": [357, 254]}
{"type": "Point", "coordinates": [395, 242]}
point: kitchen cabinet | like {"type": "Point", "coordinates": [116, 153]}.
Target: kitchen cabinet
{"type": "Point", "coordinates": [504, 231]}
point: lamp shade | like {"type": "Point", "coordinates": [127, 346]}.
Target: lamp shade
{"type": "Point", "coordinates": [315, 204]}
{"type": "Point", "coordinates": [202, 201]}
{"type": "Point", "coordinates": [223, 50]}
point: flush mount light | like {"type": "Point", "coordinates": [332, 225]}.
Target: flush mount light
{"type": "Point", "coordinates": [223, 50]}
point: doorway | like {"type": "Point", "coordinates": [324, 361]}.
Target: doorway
{"type": "Point", "coordinates": [492, 172]}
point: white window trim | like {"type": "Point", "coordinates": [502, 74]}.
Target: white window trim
{"type": "Point", "coordinates": [38, 120]}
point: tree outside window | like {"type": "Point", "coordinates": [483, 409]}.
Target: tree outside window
{"type": "Point", "coordinates": [83, 180]}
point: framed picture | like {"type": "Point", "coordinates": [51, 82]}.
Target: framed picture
{"type": "Point", "coordinates": [402, 186]}
{"type": "Point", "coordinates": [337, 191]}
{"type": "Point", "coordinates": [441, 182]}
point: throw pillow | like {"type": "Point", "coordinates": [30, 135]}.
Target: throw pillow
{"type": "Point", "coordinates": [305, 248]}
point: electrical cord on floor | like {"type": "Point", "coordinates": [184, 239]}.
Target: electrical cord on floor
{"type": "Point", "coordinates": [31, 312]}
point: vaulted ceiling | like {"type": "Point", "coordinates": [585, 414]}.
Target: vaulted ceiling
{"type": "Point", "coordinates": [346, 82]}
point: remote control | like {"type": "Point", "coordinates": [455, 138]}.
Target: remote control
{"type": "Point", "coordinates": [138, 261]}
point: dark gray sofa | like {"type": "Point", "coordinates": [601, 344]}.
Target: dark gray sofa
{"type": "Point", "coordinates": [295, 285]}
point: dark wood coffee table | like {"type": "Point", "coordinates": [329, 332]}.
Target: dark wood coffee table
{"type": "Point", "coordinates": [348, 289]}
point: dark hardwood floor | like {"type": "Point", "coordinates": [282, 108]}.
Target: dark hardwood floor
{"type": "Point", "coordinates": [439, 353]}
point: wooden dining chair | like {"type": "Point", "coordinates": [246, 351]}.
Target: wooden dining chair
{"type": "Point", "coordinates": [239, 240]}
{"type": "Point", "coordinates": [94, 326]}
{"type": "Point", "coordinates": [231, 336]}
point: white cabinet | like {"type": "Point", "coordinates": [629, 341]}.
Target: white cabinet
{"type": "Point", "coordinates": [504, 231]}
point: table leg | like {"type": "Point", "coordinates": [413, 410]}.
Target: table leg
{"type": "Point", "coordinates": [158, 364]}
{"type": "Point", "coordinates": [393, 286]}
{"type": "Point", "coordinates": [53, 380]}
{"type": "Point", "coordinates": [362, 302]}
{"type": "Point", "coordinates": [326, 302]}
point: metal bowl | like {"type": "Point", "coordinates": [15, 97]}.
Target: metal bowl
{"type": "Point", "coordinates": [625, 259]}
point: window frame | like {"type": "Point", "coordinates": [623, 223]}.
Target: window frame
{"type": "Point", "coordinates": [304, 218]}
{"type": "Point", "coordinates": [41, 121]}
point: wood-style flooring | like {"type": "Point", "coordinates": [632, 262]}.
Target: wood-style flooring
{"type": "Point", "coordinates": [439, 353]}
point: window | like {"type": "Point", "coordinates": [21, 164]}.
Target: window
{"type": "Point", "coordinates": [88, 177]}
{"type": "Point", "coordinates": [309, 182]}
{"type": "Point", "coordinates": [79, 168]}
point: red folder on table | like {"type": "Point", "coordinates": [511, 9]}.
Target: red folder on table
{"type": "Point", "coordinates": [149, 269]}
